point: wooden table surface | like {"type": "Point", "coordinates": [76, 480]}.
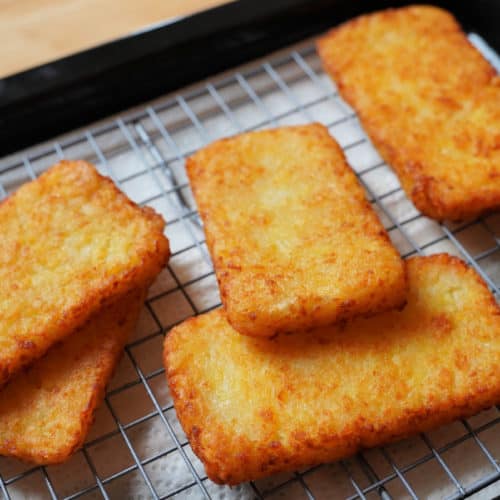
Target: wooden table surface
{"type": "Point", "coordinates": [37, 31]}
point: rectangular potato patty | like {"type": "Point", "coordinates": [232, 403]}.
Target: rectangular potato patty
{"type": "Point", "coordinates": [428, 100]}
{"type": "Point", "coordinates": [251, 407]}
{"type": "Point", "coordinates": [70, 242]}
{"type": "Point", "coordinates": [294, 242]}
{"type": "Point", "coordinates": [45, 412]}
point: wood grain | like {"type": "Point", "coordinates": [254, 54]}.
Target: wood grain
{"type": "Point", "coordinates": [39, 31]}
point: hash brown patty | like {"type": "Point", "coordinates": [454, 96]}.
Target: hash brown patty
{"type": "Point", "coordinates": [285, 218]}
{"type": "Point", "coordinates": [252, 407]}
{"type": "Point", "coordinates": [46, 411]}
{"type": "Point", "coordinates": [71, 243]}
{"type": "Point", "coordinates": [429, 101]}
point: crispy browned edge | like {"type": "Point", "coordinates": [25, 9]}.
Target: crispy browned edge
{"type": "Point", "coordinates": [140, 276]}
{"type": "Point", "coordinates": [421, 188]}
{"type": "Point", "coordinates": [264, 461]}
{"type": "Point", "coordinates": [395, 299]}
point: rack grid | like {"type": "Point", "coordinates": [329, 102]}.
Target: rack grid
{"type": "Point", "coordinates": [136, 448]}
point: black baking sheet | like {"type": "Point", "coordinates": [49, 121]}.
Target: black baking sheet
{"type": "Point", "coordinates": [57, 97]}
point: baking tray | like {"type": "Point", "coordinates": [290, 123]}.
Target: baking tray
{"type": "Point", "coordinates": [136, 448]}
{"type": "Point", "coordinates": [56, 97]}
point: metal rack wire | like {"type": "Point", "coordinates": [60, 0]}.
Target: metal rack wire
{"type": "Point", "coordinates": [136, 448]}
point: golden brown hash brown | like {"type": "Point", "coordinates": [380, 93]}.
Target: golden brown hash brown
{"type": "Point", "coordinates": [71, 242]}
{"type": "Point", "coordinates": [428, 100]}
{"type": "Point", "coordinates": [284, 218]}
{"type": "Point", "coordinates": [251, 407]}
{"type": "Point", "coordinates": [46, 411]}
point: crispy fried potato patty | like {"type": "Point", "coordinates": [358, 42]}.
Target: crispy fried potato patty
{"type": "Point", "coordinates": [46, 411]}
{"type": "Point", "coordinates": [428, 100]}
{"type": "Point", "coordinates": [252, 407]}
{"type": "Point", "coordinates": [285, 218]}
{"type": "Point", "coordinates": [70, 242]}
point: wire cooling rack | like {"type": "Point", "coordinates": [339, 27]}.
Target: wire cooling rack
{"type": "Point", "coordinates": [136, 448]}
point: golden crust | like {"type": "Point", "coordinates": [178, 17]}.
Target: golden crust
{"type": "Point", "coordinates": [429, 102]}
{"type": "Point", "coordinates": [45, 412]}
{"type": "Point", "coordinates": [251, 407]}
{"type": "Point", "coordinates": [285, 217]}
{"type": "Point", "coordinates": [71, 242]}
